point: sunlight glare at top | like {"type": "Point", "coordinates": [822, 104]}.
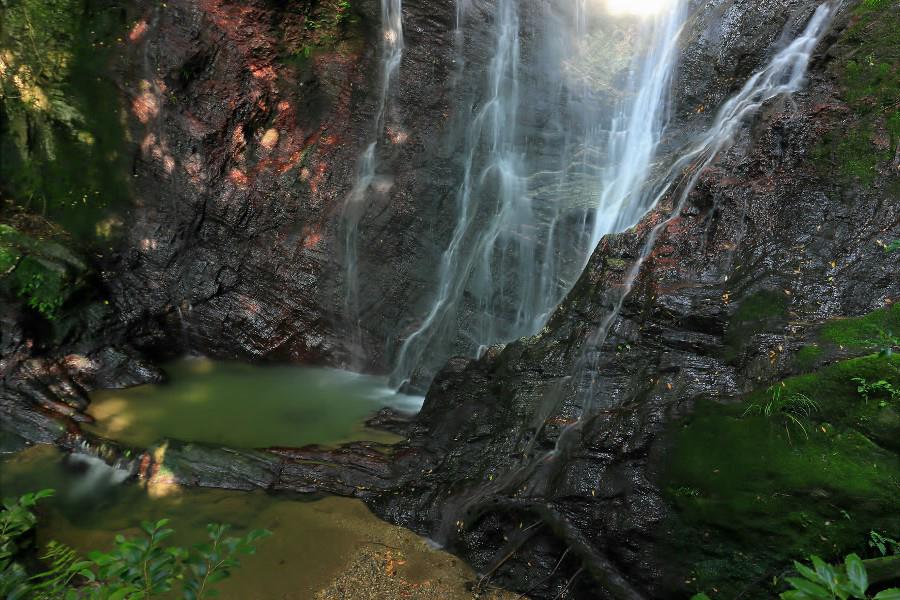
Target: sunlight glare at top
{"type": "Point", "coordinates": [640, 8]}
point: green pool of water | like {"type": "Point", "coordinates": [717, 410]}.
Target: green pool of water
{"type": "Point", "coordinates": [245, 406]}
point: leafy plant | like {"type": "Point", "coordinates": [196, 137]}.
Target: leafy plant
{"type": "Point", "coordinates": [42, 273]}
{"type": "Point", "coordinates": [143, 566]}
{"type": "Point", "coordinates": [65, 566]}
{"type": "Point", "coordinates": [135, 569]}
{"type": "Point", "coordinates": [864, 388]}
{"type": "Point", "coordinates": [883, 543]}
{"type": "Point", "coordinates": [791, 408]}
{"type": "Point", "coordinates": [827, 582]}
{"type": "Point", "coordinates": [214, 561]}
{"type": "Point", "coordinates": [16, 519]}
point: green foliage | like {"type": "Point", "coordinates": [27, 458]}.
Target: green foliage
{"type": "Point", "coordinates": [42, 273]}
{"type": "Point", "coordinates": [757, 500]}
{"type": "Point", "coordinates": [826, 582]}
{"type": "Point", "coordinates": [867, 68]}
{"type": "Point", "coordinates": [884, 544]}
{"type": "Point", "coordinates": [16, 520]}
{"type": "Point", "coordinates": [791, 408]}
{"type": "Point", "coordinates": [65, 566]}
{"type": "Point", "coordinates": [881, 386]}
{"type": "Point", "coordinates": [143, 566]}
{"type": "Point", "coordinates": [61, 130]}
{"type": "Point", "coordinates": [215, 560]}
{"type": "Point", "coordinates": [135, 569]}
{"type": "Point", "coordinates": [328, 25]}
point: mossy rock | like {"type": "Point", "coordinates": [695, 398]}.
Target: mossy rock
{"type": "Point", "coordinates": [765, 310]}
{"type": "Point", "coordinates": [752, 492]}
{"type": "Point", "coordinates": [878, 328]}
{"type": "Point", "coordinates": [867, 69]}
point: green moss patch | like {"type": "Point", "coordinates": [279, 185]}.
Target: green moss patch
{"type": "Point", "coordinates": [867, 68]}
{"type": "Point", "coordinates": [808, 356]}
{"type": "Point", "coordinates": [878, 328]}
{"type": "Point", "coordinates": [754, 488]}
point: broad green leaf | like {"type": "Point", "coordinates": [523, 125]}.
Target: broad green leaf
{"type": "Point", "coordinates": [807, 572]}
{"type": "Point", "coordinates": [796, 595]}
{"type": "Point", "coordinates": [811, 589]}
{"type": "Point", "coordinates": [888, 594]}
{"type": "Point", "coordinates": [824, 570]}
{"type": "Point", "coordinates": [856, 574]}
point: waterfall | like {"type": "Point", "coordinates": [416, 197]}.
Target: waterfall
{"type": "Point", "coordinates": [526, 221]}
{"type": "Point", "coordinates": [390, 55]}
{"type": "Point", "coordinates": [529, 480]}
{"type": "Point", "coordinates": [783, 75]}
{"type": "Point", "coordinates": [493, 126]}
{"type": "Point", "coordinates": [635, 135]}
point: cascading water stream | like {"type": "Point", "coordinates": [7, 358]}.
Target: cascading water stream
{"type": "Point", "coordinates": [391, 53]}
{"type": "Point", "coordinates": [783, 75]}
{"type": "Point", "coordinates": [635, 136]}
{"type": "Point", "coordinates": [520, 238]}
{"type": "Point", "coordinates": [495, 126]}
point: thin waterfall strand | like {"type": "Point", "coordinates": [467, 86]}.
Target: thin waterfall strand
{"type": "Point", "coordinates": [495, 123]}
{"type": "Point", "coordinates": [391, 53]}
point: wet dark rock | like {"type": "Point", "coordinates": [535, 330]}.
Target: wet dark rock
{"type": "Point", "coordinates": [389, 419]}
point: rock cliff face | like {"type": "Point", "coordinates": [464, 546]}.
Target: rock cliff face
{"type": "Point", "coordinates": [248, 124]}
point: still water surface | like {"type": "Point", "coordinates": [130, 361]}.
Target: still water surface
{"type": "Point", "coordinates": [246, 406]}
